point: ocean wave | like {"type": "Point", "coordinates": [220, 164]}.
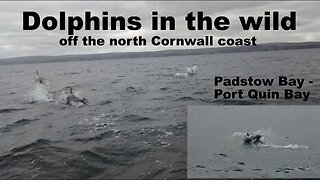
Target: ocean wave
{"type": "Point", "coordinates": [136, 118]}
{"type": "Point", "coordinates": [99, 137]}
{"type": "Point", "coordinates": [21, 122]}
{"type": "Point", "coordinates": [9, 110]}
{"type": "Point", "coordinates": [104, 102]}
{"type": "Point", "coordinates": [132, 89]}
{"type": "Point", "coordinates": [237, 102]}
{"type": "Point", "coordinates": [200, 92]}
{"type": "Point", "coordinates": [185, 98]}
{"type": "Point", "coordinates": [38, 142]}
{"type": "Point", "coordinates": [164, 88]}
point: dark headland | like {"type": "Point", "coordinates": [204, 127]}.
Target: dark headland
{"type": "Point", "coordinates": [164, 53]}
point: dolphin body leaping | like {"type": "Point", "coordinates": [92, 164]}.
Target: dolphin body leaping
{"type": "Point", "coordinates": [39, 79]}
{"type": "Point", "coordinates": [252, 139]}
{"type": "Point", "coordinates": [72, 98]}
{"type": "Point", "coordinates": [191, 70]}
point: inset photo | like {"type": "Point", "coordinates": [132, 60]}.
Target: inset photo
{"type": "Point", "coordinates": [253, 142]}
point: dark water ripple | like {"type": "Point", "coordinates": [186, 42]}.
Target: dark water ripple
{"type": "Point", "coordinates": [152, 148]}
{"type": "Point", "coordinates": [9, 110]}
{"type": "Point", "coordinates": [19, 123]}
{"type": "Point", "coordinates": [104, 102]}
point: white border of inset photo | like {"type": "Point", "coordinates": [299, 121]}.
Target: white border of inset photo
{"type": "Point", "coordinates": [253, 141]}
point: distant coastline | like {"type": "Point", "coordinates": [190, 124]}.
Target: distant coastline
{"type": "Point", "coordinates": [163, 53]}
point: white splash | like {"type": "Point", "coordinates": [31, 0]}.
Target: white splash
{"type": "Point", "coordinates": [267, 139]}
{"type": "Point", "coordinates": [262, 132]}
{"type": "Point", "coordinates": [77, 104]}
{"type": "Point", "coordinates": [289, 146]}
{"type": "Point", "coordinates": [62, 98]}
{"type": "Point", "coordinates": [190, 71]}
{"type": "Point", "coordinates": [238, 134]}
{"type": "Point", "coordinates": [40, 94]}
{"type": "Point", "coordinates": [181, 75]}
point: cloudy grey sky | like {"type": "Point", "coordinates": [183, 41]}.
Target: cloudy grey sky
{"type": "Point", "coordinates": [15, 42]}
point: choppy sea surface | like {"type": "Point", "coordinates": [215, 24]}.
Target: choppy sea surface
{"type": "Point", "coordinates": [135, 124]}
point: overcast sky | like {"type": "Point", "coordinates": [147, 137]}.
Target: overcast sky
{"type": "Point", "coordinates": [15, 42]}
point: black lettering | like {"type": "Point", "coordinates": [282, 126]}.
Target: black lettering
{"type": "Point", "coordinates": [26, 23]}
{"type": "Point", "coordinates": [221, 23]}
{"type": "Point", "coordinates": [202, 19]}
{"type": "Point", "coordinates": [135, 24]}
{"type": "Point", "coordinates": [72, 26]}
{"type": "Point", "coordinates": [89, 19]}
{"type": "Point", "coordinates": [46, 25]}
{"type": "Point", "coordinates": [289, 22]}
{"type": "Point", "coordinates": [119, 19]}
{"type": "Point", "coordinates": [250, 22]}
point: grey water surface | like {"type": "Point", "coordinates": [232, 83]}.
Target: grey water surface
{"type": "Point", "coordinates": [135, 125]}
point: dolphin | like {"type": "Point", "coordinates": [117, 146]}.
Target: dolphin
{"type": "Point", "coordinates": [72, 98]}
{"type": "Point", "coordinates": [191, 70]}
{"type": "Point", "coordinates": [39, 79]}
{"type": "Point", "coordinates": [252, 139]}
